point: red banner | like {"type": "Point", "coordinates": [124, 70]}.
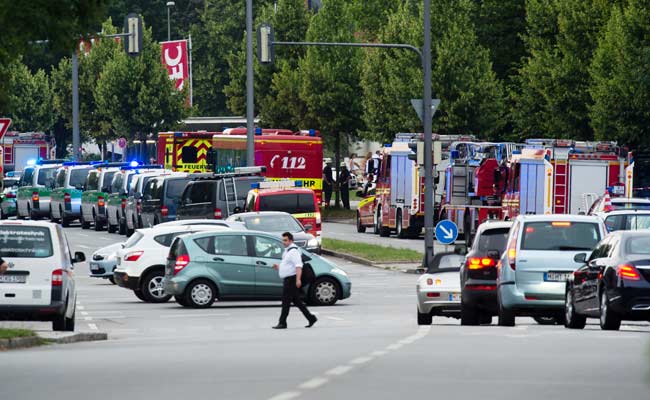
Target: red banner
{"type": "Point", "coordinates": [174, 58]}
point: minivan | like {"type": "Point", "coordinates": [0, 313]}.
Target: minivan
{"type": "Point", "coordinates": [160, 198]}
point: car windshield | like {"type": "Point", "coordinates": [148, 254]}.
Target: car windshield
{"type": "Point", "coordinates": [92, 180]}
{"type": "Point", "coordinates": [46, 176]}
{"type": "Point", "coordinates": [25, 241]}
{"type": "Point", "coordinates": [78, 177]}
{"type": "Point", "coordinates": [9, 182]}
{"type": "Point", "coordinates": [493, 239]}
{"type": "Point", "coordinates": [446, 262]}
{"type": "Point", "coordinates": [133, 240]}
{"type": "Point", "coordinates": [291, 203]}
{"type": "Point", "coordinates": [630, 206]}
{"type": "Point", "coordinates": [560, 236]}
{"type": "Point", "coordinates": [272, 223]}
{"type": "Point", "coordinates": [60, 178]}
{"type": "Point", "coordinates": [27, 176]}
{"type": "Point", "coordinates": [638, 245]}
{"type": "Point", "coordinates": [108, 179]}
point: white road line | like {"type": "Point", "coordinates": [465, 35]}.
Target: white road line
{"type": "Point", "coordinates": [84, 246]}
{"type": "Point", "coordinates": [378, 353]}
{"type": "Point", "coordinates": [285, 396]}
{"type": "Point", "coordinates": [394, 346]}
{"type": "Point", "coordinates": [80, 307]}
{"type": "Point", "coordinates": [335, 318]}
{"type": "Point", "coordinates": [361, 360]}
{"type": "Point", "coordinates": [88, 319]}
{"type": "Point", "coordinates": [83, 234]}
{"type": "Point", "coordinates": [340, 370]}
{"type": "Point", "coordinates": [84, 313]}
{"type": "Point", "coordinates": [314, 383]}
{"type": "Point", "coordinates": [92, 326]}
{"type": "Point", "coordinates": [194, 315]}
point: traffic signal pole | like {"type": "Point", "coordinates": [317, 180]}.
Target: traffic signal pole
{"type": "Point", "coordinates": [428, 140]}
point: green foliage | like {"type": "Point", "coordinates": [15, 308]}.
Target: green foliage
{"type": "Point", "coordinates": [30, 97]}
{"type": "Point", "coordinates": [621, 89]}
{"type": "Point", "coordinates": [371, 16]}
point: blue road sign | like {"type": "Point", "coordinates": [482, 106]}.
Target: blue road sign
{"type": "Point", "coordinates": [446, 232]}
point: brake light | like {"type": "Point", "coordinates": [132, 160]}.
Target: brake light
{"type": "Point", "coordinates": [318, 219]}
{"type": "Point", "coordinates": [67, 198]}
{"type": "Point", "coordinates": [123, 204]}
{"type": "Point", "coordinates": [433, 294]}
{"type": "Point", "coordinates": [57, 277]}
{"type": "Point", "coordinates": [100, 201]}
{"type": "Point", "coordinates": [561, 223]}
{"type": "Point", "coordinates": [512, 255]}
{"type": "Point", "coordinates": [134, 256]}
{"type": "Point", "coordinates": [481, 287]}
{"type": "Point", "coordinates": [35, 196]}
{"type": "Point", "coordinates": [479, 263]}
{"type": "Point", "coordinates": [11, 195]}
{"type": "Point", "coordinates": [181, 262]}
{"type": "Point", "coordinates": [138, 206]}
{"type": "Point", "coordinates": [164, 211]}
{"type": "Point", "coordinates": [217, 213]}
{"type": "Point", "coordinates": [628, 272]}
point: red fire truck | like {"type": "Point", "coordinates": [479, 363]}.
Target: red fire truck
{"type": "Point", "coordinates": [285, 154]}
{"type": "Point", "coordinates": [19, 148]}
{"type": "Point", "coordinates": [185, 151]}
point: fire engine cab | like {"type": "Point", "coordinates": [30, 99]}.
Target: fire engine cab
{"type": "Point", "coordinates": [185, 151]}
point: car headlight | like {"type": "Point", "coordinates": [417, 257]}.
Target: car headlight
{"type": "Point", "coordinates": [312, 242]}
{"type": "Point", "coordinates": [339, 271]}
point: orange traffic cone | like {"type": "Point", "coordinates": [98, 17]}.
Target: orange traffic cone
{"type": "Point", "coordinates": [607, 203]}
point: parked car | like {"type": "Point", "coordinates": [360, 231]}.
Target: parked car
{"type": "Point", "coordinates": [39, 284]}
{"type": "Point", "coordinates": [33, 195]}
{"type": "Point", "coordinates": [134, 199]}
{"type": "Point", "coordinates": [8, 197]}
{"type": "Point", "coordinates": [209, 222]}
{"type": "Point", "coordinates": [96, 190]}
{"type": "Point", "coordinates": [539, 259]}
{"type": "Point", "coordinates": [601, 206]}
{"type": "Point", "coordinates": [628, 220]}
{"type": "Point", "coordinates": [478, 273]}
{"type": "Point", "coordinates": [438, 289]}
{"type": "Point", "coordinates": [215, 196]}
{"type": "Point", "coordinates": [65, 199]}
{"type": "Point", "coordinates": [160, 198]}
{"type": "Point", "coordinates": [103, 262]}
{"type": "Point", "coordinates": [612, 284]}
{"type": "Point", "coordinates": [205, 267]}
{"type": "Point", "coordinates": [141, 264]}
{"type": "Point", "coordinates": [117, 199]}
{"type": "Point", "coordinates": [278, 222]}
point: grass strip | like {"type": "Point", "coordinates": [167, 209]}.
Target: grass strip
{"type": "Point", "coordinates": [6, 333]}
{"type": "Point", "coordinates": [372, 252]}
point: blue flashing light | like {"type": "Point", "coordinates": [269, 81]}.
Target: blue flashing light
{"type": "Point", "coordinates": [178, 134]}
{"type": "Point", "coordinates": [454, 154]}
{"type": "Point", "coordinates": [388, 145]}
{"type": "Point", "coordinates": [298, 183]}
{"type": "Point", "coordinates": [31, 162]}
{"type": "Point", "coordinates": [134, 163]}
{"type": "Point", "coordinates": [312, 132]}
{"type": "Point", "coordinates": [255, 185]}
{"type": "Point", "coordinates": [258, 131]}
{"type": "Point", "coordinates": [516, 152]}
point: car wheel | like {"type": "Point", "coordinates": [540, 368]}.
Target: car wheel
{"type": "Point", "coordinates": [401, 233]}
{"type": "Point", "coordinates": [200, 294]}
{"type": "Point", "coordinates": [152, 288]}
{"type": "Point", "coordinates": [484, 319]}
{"type": "Point", "coordinates": [180, 300]}
{"type": "Point", "coordinates": [31, 214]}
{"type": "Point", "coordinates": [122, 227]}
{"type": "Point", "coordinates": [375, 227]}
{"type": "Point", "coordinates": [111, 279]}
{"type": "Point", "coordinates": [424, 319]}
{"type": "Point", "coordinates": [98, 225]}
{"type": "Point", "coordinates": [112, 228]}
{"type": "Point", "coordinates": [545, 320]}
{"type": "Point", "coordinates": [360, 228]}
{"type": "Point", "coordinates": [65, 222]}
{"type": "Point", "coordinates": [609, 321]}
{"type": "Point", "coordinates": [130, 231]}
{"type": "Point", "coordinates": [69, 323]}
{"type": "Point", "coordinates": [138, 294]}
{"type": "Point", "coordinates": [84, 224]}
{"type": "Point", "coordinates": [383, 231]}
{"type": "Point", "coordinates": [506, 317]}
{"type": "Point", "coordinates": [468, 315]}
{"type": "Point", "coordinates": [58, 323]}
{"type": "Point", "coordinates": [571, 319]}
{"type": "Point", "coordinates": [324, 292]}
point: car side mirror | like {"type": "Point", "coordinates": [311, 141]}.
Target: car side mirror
{"type": "Point", "coordinates": [494, 254]}
{"type": "Point", "coordinates": [580, 258]}
{"type": "Point", "coordinates": [79, 256]}
{"type": "Point", "coordinates": [309, 227]}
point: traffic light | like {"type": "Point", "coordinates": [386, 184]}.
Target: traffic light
{"type": "Point", "coordinates": [133, 27]}
{"type": "Point", "coordinates": [418, 152]}
{"type": "Point", "coordinates": [265, 44]}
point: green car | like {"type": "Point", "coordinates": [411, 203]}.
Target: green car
{"type": "Point", "coordinates": [238, 264]}
{"type": "Point", "coordinates": [96, 190]}
{"type": "Point", "coordinates": [65, 199]}
{"type": "Point", "coordinates": [36, 184]}
{"type": "Point", "coordinates": [8, 197]}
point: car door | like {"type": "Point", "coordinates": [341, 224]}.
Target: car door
{"type": "Point", "coordinates": [580, 278]}
{"type": "Point", "coordinates": [595, 268]}
{"type": "Point", "coordinates": [150, 201]}
{"type": "Point", "coordinates": [266, 251]}
{"type": "Point", "coordinates": [230, 264]}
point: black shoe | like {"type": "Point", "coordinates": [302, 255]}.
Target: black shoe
{"type": "Point", "coordinates": [312, 321]}
{"type": "Point", "coordinates": [280, 326]}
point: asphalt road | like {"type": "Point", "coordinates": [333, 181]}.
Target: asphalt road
{"type": "Point", "coordinates": [366, 347]}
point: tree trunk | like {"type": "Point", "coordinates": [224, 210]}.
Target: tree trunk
{"type": "Point", "coordinates": [337, 163]}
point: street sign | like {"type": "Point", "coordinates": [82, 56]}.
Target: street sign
{"type": "Point", "coordinates": [121, 142]}
{"type": "Point", "coordinates": [417, 105]}
{"type": "Point", "coordinates": [446, 232]}
{"type": "Point", "coordinates": [4, 126]}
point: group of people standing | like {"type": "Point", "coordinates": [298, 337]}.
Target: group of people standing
{"type": "Point", "coordinates": [368, 167]}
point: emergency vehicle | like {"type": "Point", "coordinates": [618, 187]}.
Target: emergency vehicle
{"type": "Point", "coordinates": [297, 156]}
{"type": "Point", "coordinates": [290, 197]}
{"type": "Point", "coordinates": [185, 151]}
{"type": "Point", "coordinates": [19, 148]}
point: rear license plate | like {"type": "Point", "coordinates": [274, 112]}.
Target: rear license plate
{"type": "Point", "coordinates": [13, 278]}
{"type": "Point", "coordinates": [557, 276]}
{"type": "Point", "coordinates": [454, 296]}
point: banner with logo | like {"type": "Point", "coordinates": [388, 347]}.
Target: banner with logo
{"type": "Point", "coordinates": [174, 58]}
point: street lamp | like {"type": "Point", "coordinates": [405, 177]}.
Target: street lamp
{"type": "Point", "coordinates": [170, 4]}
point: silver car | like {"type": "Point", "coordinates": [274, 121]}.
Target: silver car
{"type": "Point", "coordinates": [438, 290]}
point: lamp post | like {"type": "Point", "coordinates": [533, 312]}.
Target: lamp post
{"type": "Point", "coordinates": [170, 4]}
{"type": "Point", "coordinates": [250, 104]}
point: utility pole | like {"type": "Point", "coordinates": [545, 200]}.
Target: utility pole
{"type": "Point", "coordinates": [428, 139]}
{"type": "Point", "coordinates": [75, 107]}
{"type": "Point", "coordinates": [170, 4]}
{"type": "Point", "coordinates": [250, 104]}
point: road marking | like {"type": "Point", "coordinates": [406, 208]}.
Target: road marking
{"type": "Point", "coordinates": [378, 353]}
{"type": "Point", "coordinates": [314, 383]}
{"type": "Point", "coordinates": [93, 327]}
{"type": "Point", "coordinates": [84, 246]}
{"type": "Point", "coordinates": [340, 370]}
{"type": "Point", "coordinates": [335, 318]}
{"type": "Point", "coordinates": [84, 313]}
{"type": "Point", "coordinates": [80, 306]}
{"type": "Point", "coordinates": [88, 319]}
{"type": "Point", "coordinates": [194, 315]}
{"type": "Point", "coordinates": [394, 346]}
{"type": "Point", "coordinates": [361, 360]}
{"type": "Point", "coordinates": [285, 396]}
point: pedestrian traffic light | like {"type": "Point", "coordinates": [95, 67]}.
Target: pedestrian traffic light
{"type": "Point", "coordinates": [133, 28]}
{"type": "Point", "coordinates": [417, 154]}
{"type": "Point", "coordinates": [265, 44]}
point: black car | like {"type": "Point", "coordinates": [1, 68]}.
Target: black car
{"type": "Point", "coordinates": [613, 284]}
{"type": "Point", "coordinates": [215, 196]}
{"type": "Point", "coordinates": [478, 274]}
{"type": "Point", "coordinates": [160, 198]}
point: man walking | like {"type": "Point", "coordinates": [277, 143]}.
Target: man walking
{"type": "Point", "coordinates": [290, 270]}
{"type": "Point", "coordinates": [328, 182]}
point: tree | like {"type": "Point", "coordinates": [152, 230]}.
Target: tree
{"type": "Point", "coordinates": [620, 87]}
{"type": "Point", "coordinates": [371, 16]}
{"type": "Point", "coordinates": [30, 96]}
{"type": "Point", "coordinates": [135, 94]}
{"type": "Point", "coordinates": [462, 77]}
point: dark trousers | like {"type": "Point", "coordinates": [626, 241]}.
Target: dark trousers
{"type": "Point", "coordinates": [327, 190]}
{"type": "Point", "coordinates": [345, 197]}
{"type": "Point", "coordinates": [291, 294]}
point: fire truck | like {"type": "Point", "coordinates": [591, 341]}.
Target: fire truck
{"type": "Point", "coordinates": [19, 148]}
{"type": "Point", "coordinates": [297, 156]}
{"type": "Point", "coordinates": [185, 151]}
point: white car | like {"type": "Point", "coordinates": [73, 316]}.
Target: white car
{"type": "Point", "coordinates": [438, 290]}
{"type": "Point", "coordinates": [198, 221]}
{"type": "Point", "coordinates": [39, 284]}
{"type": "Point", "coordinates": [141, 262]}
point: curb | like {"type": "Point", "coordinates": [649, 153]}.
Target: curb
{"type": "Point", "coordinates": [46, 338]}
{"type": "Point", "coordinates": [363, 261]}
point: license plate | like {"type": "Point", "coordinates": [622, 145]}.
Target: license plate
{"type": "Point", "coordinates": [94, 266]}
{"type": "Point", "coordinates": [454, 296]}
{"type": "Point", "coordinates": [13, 278]}
{"type": "Point", "coordinates": [557, 276]}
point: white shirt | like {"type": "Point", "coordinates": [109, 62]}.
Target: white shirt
{"type": "Point", "coordinates": [291, 259]}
